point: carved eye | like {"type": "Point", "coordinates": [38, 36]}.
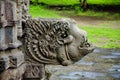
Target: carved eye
{"type": "Point", "coordinates": [64, 36]}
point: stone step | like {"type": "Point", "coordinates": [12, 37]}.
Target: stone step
{"type": "Point", "coordinates": [103, 57]}
{"type": "Point", "coordinates": [102, 64]}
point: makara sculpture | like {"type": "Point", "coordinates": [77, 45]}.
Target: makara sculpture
{"type": "Point", "coordinates": [54, 41]}
{"type": "Point", "coordinates": [27, 45]}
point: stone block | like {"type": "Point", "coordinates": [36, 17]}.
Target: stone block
{"type": "Point", "coordinates": [11, 59]}
{"type": "Point", "coordinates": [16, 59]}
{"type": "Point", "coordinates": [4, 63]}
{"type": "Point", "coordinates": [34, 71]}
{"type": "Point", "coordinates": [13, 74]}
{"type": "Point", "coordinates": [3, 46]}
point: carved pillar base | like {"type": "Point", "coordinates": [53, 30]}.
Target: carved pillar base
{"type": "Point", "coordinates": [12, 65]}
{"type": "Point", "coordinates": [13, 74]}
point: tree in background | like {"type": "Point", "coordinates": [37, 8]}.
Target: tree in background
{"type": "Point", "coordinates": [83, 4]}
{"type": "Point", "coordinates": [34, 2]}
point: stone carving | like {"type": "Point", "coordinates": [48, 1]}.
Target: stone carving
{"type": "Point", "coordinates": [34, 71]}
{"type": "Point", "coordinates": [25, 10]}
{"type": "Point", "coordinates": [54, 41]}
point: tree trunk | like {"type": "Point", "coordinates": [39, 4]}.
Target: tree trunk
{"type": "Point", "coordinates": [83, 4]}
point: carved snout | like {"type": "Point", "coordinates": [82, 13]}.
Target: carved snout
{"type": "Point", "coordinates": [86, 48]}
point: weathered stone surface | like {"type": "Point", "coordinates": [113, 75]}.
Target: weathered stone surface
{"type": "Point", "coordinates": [16, 59]}
{"type": "Point", "coordinates": [91, 67]}
{"type": "Point", "coordinates": [12, 64]}
{"type": "Point", "coordinates": [13, 74]}
{"type": "Point", "coordinates": [4, 63]}
{"type": "Point", "coordinates": [8, 14]}
{"type": "Point", "coordinates": [54, 41]}
{"type": "Point", "coordinates": [34, 71]}
{"type": "Point", "coordinates": [8, 24]}
{"type": "Point", "coordinates": [25, 10]}
{"type": "Point", "coordinates": [10, 59]}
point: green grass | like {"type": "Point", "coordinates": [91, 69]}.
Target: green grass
{"type": "Point", "coordinates": [72, 2]}
{"type": "Point", "coordinates": [59, 2]}
{"type": "Point", "coordinates": [104, 2]}
{"type": "Point", "coordinates": [103, 37]}
{"type": "Point", "coordinates": [38, 11]}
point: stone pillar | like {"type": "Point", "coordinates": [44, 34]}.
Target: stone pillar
{"type": "Point", "coordinates": [11, 57]}
{"type": "Point", "coordinates": [8, 25]}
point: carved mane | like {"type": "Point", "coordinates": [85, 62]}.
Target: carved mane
{"type": "Point", "coordinates": [43, 38]}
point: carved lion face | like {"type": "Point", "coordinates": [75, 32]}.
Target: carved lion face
{"type": "Point", "coordinates": [54, 41]}
{"type": "Point", "coordinates": [79, 46]}
{"type": "Point", "coordinates": [76, 44]}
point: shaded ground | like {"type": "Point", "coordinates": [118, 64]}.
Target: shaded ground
{"type": "Point", "coordinates": [112, 22]}
{"type": "Point", "coordinates": [96, 22]}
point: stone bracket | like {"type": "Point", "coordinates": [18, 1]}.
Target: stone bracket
{"type": "Point", "coordinates": [12, 60]}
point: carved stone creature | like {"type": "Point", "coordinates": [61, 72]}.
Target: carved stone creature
{"type": "Point", "coordinates": [54, 41]}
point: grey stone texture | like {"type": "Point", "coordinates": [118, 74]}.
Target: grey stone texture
{"type": "Point", "coordinates": [34, 71]}
{"type": "Point", "coordinates": [102, 64]}
{"type": "Point", "coordinates": [9, 23]}
{"type": "Point", "coordinates": [13, 74]}
{"type": "Point", "coordinates": [12, 64]}
{"type": "Point", "coordinates": [11, 59]}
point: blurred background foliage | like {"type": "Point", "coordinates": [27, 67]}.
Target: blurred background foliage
{"type": "Point", "coordinates": [106, 34]}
